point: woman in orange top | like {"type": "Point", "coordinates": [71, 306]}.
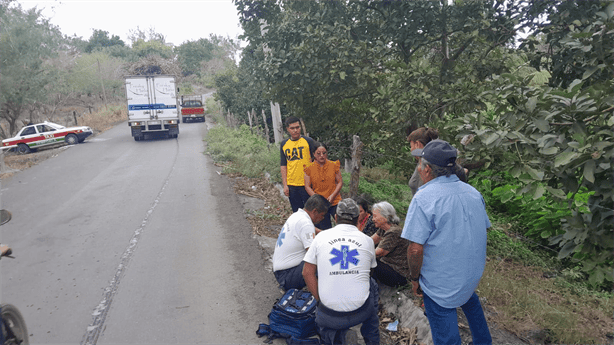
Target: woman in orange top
{"type": "Point", "coordinates": [324, 177]}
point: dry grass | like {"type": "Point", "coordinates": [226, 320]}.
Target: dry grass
{"type": "Point", "coordinates": [525, 302]}
{"type": "Point", "coordinates": [104, 119]}
{"type": "Point", "coordinates": [268, 220]}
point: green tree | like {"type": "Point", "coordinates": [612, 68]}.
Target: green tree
{"type": "Point", "coordinates": [95, 72]}
{"type": "Point", "coordinates": [153, 47]}
{"type": "Point", "coordinates": [558, 141]}
{"type": "Point", "coordinates": [374, 67]}
{"type": "Point", "coordinates": [100, 39]}
{"type": "Point", "coordinates": [145, 43]}
{"type": "Point", "coordinates": [192, 54]}
{"type": "Point", "coordinates": [27, 41]}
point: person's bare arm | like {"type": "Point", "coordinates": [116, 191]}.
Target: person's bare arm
{"type": "Point", "coordinates": [308, 185]}
{"type": "Point", "coordinates": [375, 237]}
{"type": "Point", "coordinates": [284, 179]}
{"type": "Point", "coordinates": [309, 274]}
{"type": "Point", "coordinates": [415, 253]}
{"type": "Point", "coordinates": [338, 186]}
{"type": "Point", "coordinates": [379, 252]}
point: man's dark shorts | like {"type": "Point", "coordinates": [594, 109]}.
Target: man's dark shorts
{"type": "Point", "coordinates": [333, 325]}
{"type": "Point", "coordinates": [291, 278]}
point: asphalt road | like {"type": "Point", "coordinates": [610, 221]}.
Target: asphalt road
{"type": "Point", "coordinates": [125, 242]}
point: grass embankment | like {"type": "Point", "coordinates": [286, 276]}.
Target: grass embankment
{"type": "Point", "coordinates": [525, 292]}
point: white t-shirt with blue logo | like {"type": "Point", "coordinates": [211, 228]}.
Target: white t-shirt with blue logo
{"type": "Point", "coordinates": [293, 240]}
{"type": "Point", "coordinates": [344, 257]}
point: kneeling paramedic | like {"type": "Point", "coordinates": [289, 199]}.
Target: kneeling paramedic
{"type": "Point", "coordinates": [342, 258]}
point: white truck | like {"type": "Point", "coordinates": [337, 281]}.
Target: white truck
{"type": "Point", "coordinates": [152, 105]}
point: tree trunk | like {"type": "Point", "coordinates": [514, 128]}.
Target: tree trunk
{"type": "Point", "coordinates": [356, 157]}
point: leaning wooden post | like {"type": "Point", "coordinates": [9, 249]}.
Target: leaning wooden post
{"type": "Point", "coordinates": [256, 123]}
{"type": "Point", "coordinates": [266, 126]}
{"type": "Point", "coordinates": [305, 133]}
{"type": "Point", "coordinates": [255, 118]}
{"type": "Point", "coordinates": [356, 157]}
{"type": "Point", "coordinates": [249, 117]}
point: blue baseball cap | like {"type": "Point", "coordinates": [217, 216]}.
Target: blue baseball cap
{"type": "Point", "coordinates": [438, 152]}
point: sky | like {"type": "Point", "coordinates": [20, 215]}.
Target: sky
{"type": "Point", "coordinates": [179, 21]}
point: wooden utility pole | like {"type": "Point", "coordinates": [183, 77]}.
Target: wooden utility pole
{"type": "Point", "coordinates": [356, 157]}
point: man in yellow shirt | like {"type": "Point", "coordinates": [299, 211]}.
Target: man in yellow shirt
{"type": "Point", "coordinates": [295, 154]}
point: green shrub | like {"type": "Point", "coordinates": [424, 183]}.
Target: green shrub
{"type": "Point", "coordinates": [397, 193]}
{"type": "Point", "coordinates": [245, 153]}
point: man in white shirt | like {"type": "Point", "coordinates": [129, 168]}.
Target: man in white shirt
{"type": "Point", "coordinates": [337, 272]}
{"type": "Point", "coordinates": [293, 241]}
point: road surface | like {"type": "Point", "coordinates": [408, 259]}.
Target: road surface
{"type": "Point", "coordinates": [125, 242]}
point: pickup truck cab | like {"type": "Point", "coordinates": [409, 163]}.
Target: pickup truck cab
{"type": "Point", "coordinates": [192, 108]}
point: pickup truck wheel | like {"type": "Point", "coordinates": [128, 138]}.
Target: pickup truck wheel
{"type": "Point", "coordinates": [71, 139]}
{"type": "Point", "coordinates": [23, 148]}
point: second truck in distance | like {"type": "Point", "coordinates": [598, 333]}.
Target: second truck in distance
{"type": "Point", "coordinates": [192, 108]}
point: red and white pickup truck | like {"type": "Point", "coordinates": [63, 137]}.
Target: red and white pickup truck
{"type": "Point", "coordinates": [192, 108]}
